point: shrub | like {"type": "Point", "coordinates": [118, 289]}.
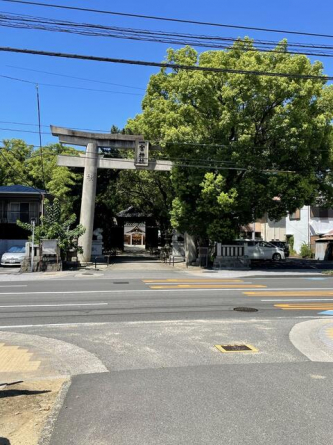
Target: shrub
{"type": "Point", "coordinates": [306, 251]}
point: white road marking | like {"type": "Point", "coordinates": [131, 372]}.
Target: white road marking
{"type": "Point", "coordinates": [262, 290]}
{"type": "Point", "coordinates": [15, 285]}
{"type": "Point", "coordinates": [55, 305]}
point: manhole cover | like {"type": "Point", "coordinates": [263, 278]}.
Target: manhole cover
{"type": "Point", "coordinates": [236, 348]}
{"type": "Point", "coordinates": [245, 309]}
{"type": "Point", "coordinates": [87, 273]}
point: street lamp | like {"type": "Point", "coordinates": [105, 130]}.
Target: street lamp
{"type": "Point", "coordinates": [33, 223]}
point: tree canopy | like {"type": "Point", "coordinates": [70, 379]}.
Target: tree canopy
{"type": "Point", "coordinates": [20, 163]}
{"type": "Point", "coordinates": [243, 145]}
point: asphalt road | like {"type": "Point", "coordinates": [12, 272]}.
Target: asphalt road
{"type": "Point", "coordinates": [162, 296]}
{"type": "Point", "coordinates": [155, 331]}
{"type": "Point", "coordinates": [226, 404]}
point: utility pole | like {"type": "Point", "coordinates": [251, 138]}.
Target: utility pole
{"type": "Point", "coordinates": [40, 136]}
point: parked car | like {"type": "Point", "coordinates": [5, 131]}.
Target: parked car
{"type": "Point", "coordinates": [283, 245]}
{"type": "Point", "coordinates": [13, 257]}
{"type": "Point", "coordinates": [262, 250]}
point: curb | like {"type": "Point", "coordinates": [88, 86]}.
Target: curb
{"type": "Point", "coordinates": [46, 434]}
{"type": "Point", "coordinates": [312, 339]}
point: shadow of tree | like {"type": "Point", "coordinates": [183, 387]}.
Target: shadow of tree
{"type": "Point", "coordinates": [19, 392]}
{"type": "Point", "coordinates": [4, 441]}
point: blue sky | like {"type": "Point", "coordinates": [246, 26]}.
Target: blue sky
{"type": "Point", "coordinates": [100, 110]}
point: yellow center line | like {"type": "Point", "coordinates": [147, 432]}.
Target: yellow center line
{"type": "Point", "coordinates": [306, 307]}
{"type": "Point", "coordinates": [290, 294]}
{"type": "Point", "coordinates": [192, 280]}
{"type": "Point", "coordinates": [207, 286]}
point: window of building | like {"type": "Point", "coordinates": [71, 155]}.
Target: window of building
{"type": "Point", "coordinates": [319, 212]}
{"type": "Point", "coordinates": [19, 210]}
{"type": "Point", "coordinates": [295, 215]}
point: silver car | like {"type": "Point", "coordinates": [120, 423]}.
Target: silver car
{"type": "Point", "coordinates": [13, 257]}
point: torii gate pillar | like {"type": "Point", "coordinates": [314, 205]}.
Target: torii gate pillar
{"type": "Point", "coordinates": [88, 201]}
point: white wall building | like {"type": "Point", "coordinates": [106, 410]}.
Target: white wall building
{"type": "Point", "coordinates": [297, 225]}
{"type": "Point", "coordinates": [307, 224]}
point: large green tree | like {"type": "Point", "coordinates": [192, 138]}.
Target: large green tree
{"type": "Point", "coordinates": [243, 145]}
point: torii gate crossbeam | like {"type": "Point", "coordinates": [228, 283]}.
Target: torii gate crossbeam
{"type": "Point", "coordinates": [91, 161]}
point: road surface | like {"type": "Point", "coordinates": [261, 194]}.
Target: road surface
{"type": "Point", "coordinates": [141, 349]}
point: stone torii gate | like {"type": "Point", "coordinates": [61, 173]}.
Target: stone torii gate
{"type": "Point", "coordinates": [91, 161]}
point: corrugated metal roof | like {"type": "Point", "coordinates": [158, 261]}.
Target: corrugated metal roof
{"type": "Point", "coordinates": [21, 189]}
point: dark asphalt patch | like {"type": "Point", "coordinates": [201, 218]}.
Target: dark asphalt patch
{"type": "Point", "coordinates": [245, 309]}
{"type": "Point", "coordinates": [236, 348]}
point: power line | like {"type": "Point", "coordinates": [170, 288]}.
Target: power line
{"type": "Point", "coordinates": [191, 163]}
{"type": "Point", "coordinates": [48, 126]}
{"type": "Point", "coordinates": [24, 131]}
{"type": "Point", "coordinates": [96, 30]}
{"type": "Point", "coordinates": [68, 86]}
{"type": "Point", "coordinates": [185, 143]}
{"type": "Point", "coordinates": [178, 164]}
{"type": "Point", "coordinates": [75, 77]}
{"type": "Point", "coordinates": [169, 19]}
{"type": "Point", "coordinates": [165, 64]}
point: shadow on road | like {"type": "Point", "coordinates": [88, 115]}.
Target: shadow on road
{"type": "Point", "coordinates": [292, 264]}
{"type": "Point", "coordinates": [304, 266]}
{"type": "Point", "coordinates": [19, 392]}
{"type": "Point", "coordinates": [135, 259]}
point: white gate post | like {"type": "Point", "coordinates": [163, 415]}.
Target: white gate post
{"type": "Point", "coordinates": [88, 201]}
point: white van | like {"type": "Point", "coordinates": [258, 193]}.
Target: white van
{"type": "Point", "coordinates": [262, 250]}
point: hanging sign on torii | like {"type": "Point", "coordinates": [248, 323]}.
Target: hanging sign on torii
{"type": "Point", "coordinates": [91, 161]}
